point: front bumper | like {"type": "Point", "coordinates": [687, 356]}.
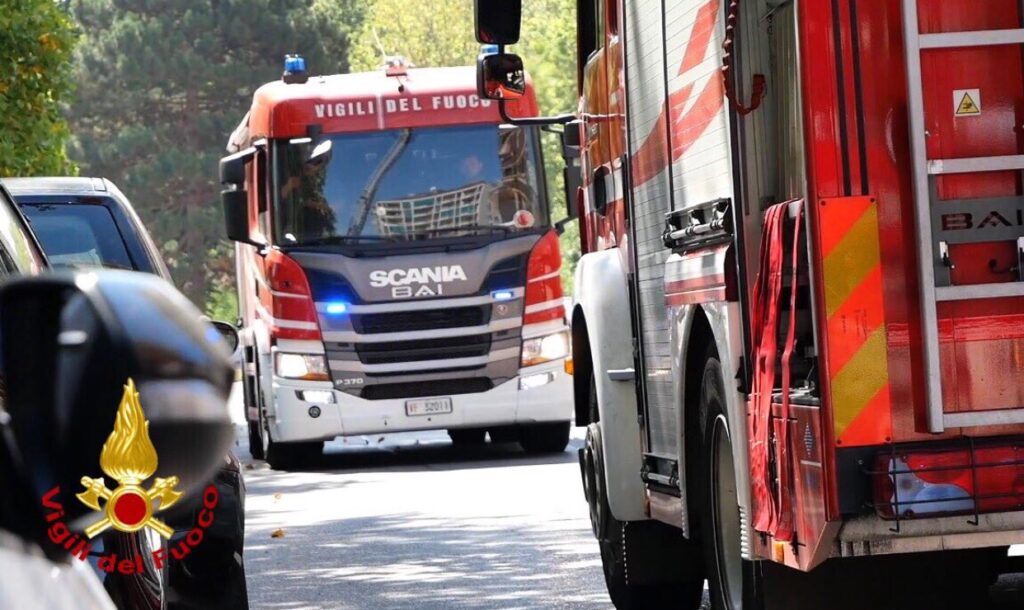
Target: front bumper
{"type": "Point", "coordinates": [349, 415]}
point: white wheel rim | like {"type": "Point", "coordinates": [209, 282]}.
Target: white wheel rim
{"type": "Point", "coordinates": [727, 517]}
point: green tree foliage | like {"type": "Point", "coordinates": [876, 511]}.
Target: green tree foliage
{"type": "Point", "coordinates": [161, 85]}
{"type": "Point", "coordinates": [440, 33]}
{"type": "Point", "coordinates": [37, 38]}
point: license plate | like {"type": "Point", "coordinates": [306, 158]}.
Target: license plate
{"type": "Point", "coordinates": [428, 406]}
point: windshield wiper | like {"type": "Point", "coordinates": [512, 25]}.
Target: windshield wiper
{"type": "Point", "coordinates": [340, 239]}
{"type": "Point", "coordinates": [439, 230]}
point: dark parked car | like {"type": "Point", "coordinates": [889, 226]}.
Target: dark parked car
{"type": "Point", "coordinates": [28, 576]}
{"type": "Point", "coordinates": [37, 317]}
{"type": "Point", "coordinates": [85, 223]}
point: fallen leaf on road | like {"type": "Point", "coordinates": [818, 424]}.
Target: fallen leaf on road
{"type": "Point", "coordinates": [277, 497]}
{"type": "Point", "coordinates": [278, 533]}
{"type": "Point", "coordinates": [249, 467]}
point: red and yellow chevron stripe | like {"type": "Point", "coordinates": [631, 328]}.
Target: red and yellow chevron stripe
{"type": "Point", "coordinates": [857, 363]}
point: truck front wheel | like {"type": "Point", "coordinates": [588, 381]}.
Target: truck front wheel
{"type": "Point", "coordinates": [285, 456]}
{"type": "Point", "coordinates": [647, 564]}
{"type": "Point", "coordinates": [249, 401]}
{"type": "Point", "coordinates": [545, 438]}
{"type": "Point", "coordinates": [467, 437]}
{"type": "Point", "coordinates": [255, 442]}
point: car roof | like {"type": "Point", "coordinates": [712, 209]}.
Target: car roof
{"type": "Point", "coordinates": [56, 185]}
{"type": "Point", "coordinates": [58, 190]}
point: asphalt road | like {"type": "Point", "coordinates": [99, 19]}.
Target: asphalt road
{"type": "Point", "coordinates": [414, 523]}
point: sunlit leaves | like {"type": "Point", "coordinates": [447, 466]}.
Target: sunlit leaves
{"type": "Point", "coordinates": [36, 42]}
{"type": "Point", "coordinates": [161, 85]}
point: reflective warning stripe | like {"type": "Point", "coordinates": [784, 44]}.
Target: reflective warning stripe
{"type": "Point", "coordinates": [858, 363]}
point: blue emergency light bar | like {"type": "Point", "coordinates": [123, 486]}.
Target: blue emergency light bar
{"type": "Point", "coordinates": [294, 64]}
{"type": "Point", "coordinates": [294, 70]}
{"type": "Point", "coordinates": [337, 308]}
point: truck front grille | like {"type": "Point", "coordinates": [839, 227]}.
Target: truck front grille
{"type": "Point", "coordinates": [432, 319]}
{"type": "Point", "coordinates": [417, 389]}
{"type": "Point", "coordinates": [424, 349]}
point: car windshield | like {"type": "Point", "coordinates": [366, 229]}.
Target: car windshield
{"type": "Point", "coordinates": [408, 184]}
{"type": "Point", "coordinates": [78, 236]}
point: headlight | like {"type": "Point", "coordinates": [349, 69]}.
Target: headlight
{"type": "Point", "coordinates": [311, 367]}
{"type": "Point", "coordinates": [546, 348]}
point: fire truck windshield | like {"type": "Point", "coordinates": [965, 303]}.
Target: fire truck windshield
{"type": "Point", "coordinates": [409, 184]}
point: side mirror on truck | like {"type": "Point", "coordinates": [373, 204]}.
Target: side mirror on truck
{"type": "Point", "coordinates": [572, 177]}
{"type": "Point", "coordinates": [500, 76]}
{"type": "Point", "coordinates": [234, 198]}
{"type": "Point", "coordinates": [236, 215]}
{"type": "Point", "coordinates": [497, 21]}
{"type": "Point", "coordinates": [572, 174]}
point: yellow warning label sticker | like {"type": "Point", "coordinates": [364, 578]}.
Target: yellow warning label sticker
{"type": "Point", "coordinates": [967, 102]}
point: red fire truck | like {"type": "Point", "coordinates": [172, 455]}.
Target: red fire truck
{"type": "Point", "coordinates": [806, 218]}
{"type": "Point", "coordinates": [397, 266]}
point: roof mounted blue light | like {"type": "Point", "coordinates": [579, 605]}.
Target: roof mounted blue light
{"type": "Point", "coordinates": [294, 63]}
{"type": "Point", "coordinates": [294, 69]}
{"type": "Point", "coordinates": [488, 49]}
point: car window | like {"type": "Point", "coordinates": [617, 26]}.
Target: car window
{"type": "Point", "coordinates": [18, 251]}
{"type": "Point", "coordinates": [78, 236]}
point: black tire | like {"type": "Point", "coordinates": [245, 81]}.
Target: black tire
{"type": "Point", "coordinates": [213, 574]}
{"type": "Point", "coordinates": [289, 456]}
{"type": "Point", "coordinates": [733, 583]}
{"type": "Point", "coordinates": [199, 582]}
{"type": "Point", "coordinates": [282, 456]}
{"type": "Point", "coordinates": [671, 565]}
{"type": "Point", "coordinates": [951, 580]}
{"type": "Point", "coordinates": [504, 434]}
{"type": "Point", "coordinates": [468, 437]}
{"type": "Point", "coordinates": [255, 442]}
{"type": "Point", "coordinates": [249, 400]}
{"type": "Point", "coordinates": [145, 590]}
{"type": "Point", "coordinates": [545, 438]}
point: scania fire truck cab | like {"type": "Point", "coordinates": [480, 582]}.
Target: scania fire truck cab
{"type": "Point", "coordinates": [397, 267]}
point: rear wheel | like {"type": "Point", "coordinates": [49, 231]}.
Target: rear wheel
{"type": "Point", "coordinates": [545, 438]}
{"type": "Point", "coordinates": [467, 437]}
{"type": "Point", "coordinates": [646, 564]}
{"type": "Point", "coordinates": [946, 581]}
{"type": "Point", "coordinates": [732, 581]}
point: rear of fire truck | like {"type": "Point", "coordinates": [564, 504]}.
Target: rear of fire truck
{"type": "Point", "coordinates": [824, 213]}
{"type": "Point", "coordinates": [397, 265]}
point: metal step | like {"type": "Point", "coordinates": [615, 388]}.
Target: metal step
{"type": "Point", "coordinates": [998, 417]}
{"type": "Point", "coordinates": [973, 165]}
{"type": "Point", "coordinates": [979, 291]}
{"type": "Point", "coordinates": [951, 40]}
